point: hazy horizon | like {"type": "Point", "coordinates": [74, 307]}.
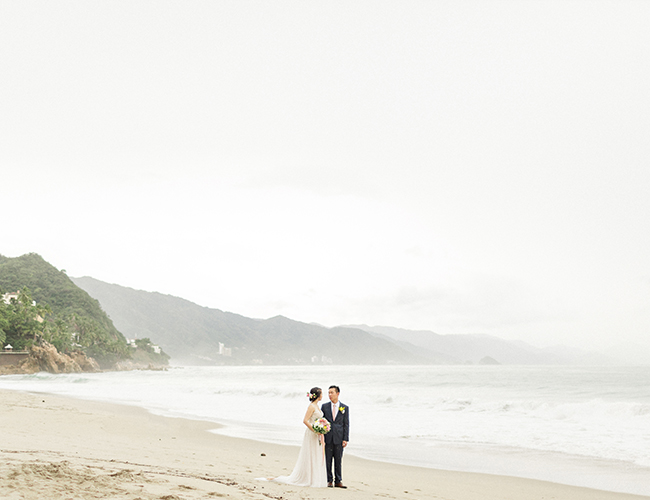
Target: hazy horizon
{"type": "Point", "coordinates": [457, 167]}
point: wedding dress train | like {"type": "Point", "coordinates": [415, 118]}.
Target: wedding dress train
{"type": "Point", "coordinates": [310, 467]}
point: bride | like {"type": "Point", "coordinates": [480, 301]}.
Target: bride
{"type": "Point", "coordinates": [310, 467]}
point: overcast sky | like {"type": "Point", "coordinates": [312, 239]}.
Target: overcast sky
{"type": "Point", "coordinates": [456, 166]}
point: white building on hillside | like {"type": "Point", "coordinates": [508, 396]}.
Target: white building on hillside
{"type": "Point", "coordinates": [6, 298]}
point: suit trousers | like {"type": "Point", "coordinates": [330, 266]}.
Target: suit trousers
{"type": "Point", "coordinates": [334, 451]}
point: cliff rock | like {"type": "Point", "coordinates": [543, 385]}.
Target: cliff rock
{"type": "Point", "coordinates": [45, 358]}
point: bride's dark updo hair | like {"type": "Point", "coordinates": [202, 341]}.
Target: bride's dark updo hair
{"type": "Point", "coordinates": [314, 394]}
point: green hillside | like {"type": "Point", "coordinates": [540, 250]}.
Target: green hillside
{"type": "Point", "coordinates": [71, 315]}
{"type": "Point", "coordinates": [191, 334]}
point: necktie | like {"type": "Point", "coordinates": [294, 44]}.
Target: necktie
{"type": "Point", "coordinates": [334, 412]}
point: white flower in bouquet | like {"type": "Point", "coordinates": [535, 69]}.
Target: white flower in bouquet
{"type": "Point", "coordinates": [321, 426]}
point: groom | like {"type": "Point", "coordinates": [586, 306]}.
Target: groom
{"type": "Point", "coordinates": [337, 438]}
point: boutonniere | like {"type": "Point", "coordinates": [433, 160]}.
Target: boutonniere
{"type": "Point", "coordinates": [342, 409]}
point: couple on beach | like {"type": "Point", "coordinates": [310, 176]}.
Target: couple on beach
{"type": "Point", "coordinates": [318, 451]}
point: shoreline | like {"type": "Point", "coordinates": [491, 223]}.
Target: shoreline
{"type": "Point", "coordinates": [105, 450]}
{"type": "Point", "coordinates": [554, 467]}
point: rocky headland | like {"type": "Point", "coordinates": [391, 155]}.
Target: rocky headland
{"type": "Point", "coordinates": [46, 358]}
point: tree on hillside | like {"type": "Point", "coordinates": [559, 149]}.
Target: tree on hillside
{"type": "Point", "coordinates": [89, 336]}
{"type": "Point", "coordinates": [22, 320]}
{"type": "Point", "coordinates": [57, 333]}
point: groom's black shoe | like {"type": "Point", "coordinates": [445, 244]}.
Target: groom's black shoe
{"type": "Point", "coordinates": [340, 485]}
{"type": "Point", "coordinates": [329, 485]}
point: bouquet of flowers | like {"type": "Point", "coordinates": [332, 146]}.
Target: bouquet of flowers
{"type": "Point", "coordinates": [321, 426]}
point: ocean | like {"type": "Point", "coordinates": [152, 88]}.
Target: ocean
{"type": "Point", "coordinates": [584, 426]}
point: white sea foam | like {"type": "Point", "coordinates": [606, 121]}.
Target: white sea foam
{"type": "Point", "coordinates": [584, 426]}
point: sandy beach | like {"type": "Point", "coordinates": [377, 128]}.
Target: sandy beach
{"type": "Point", "coordinates": [60, 448]}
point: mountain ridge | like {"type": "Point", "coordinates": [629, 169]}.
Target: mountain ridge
{"type": "Point", "coordinates": [192, 334]}
{"type": "Point", "coordinates": [473, 347]}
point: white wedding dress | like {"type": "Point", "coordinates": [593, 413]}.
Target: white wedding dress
{"type": "Point", "coordinates": [310, 467]}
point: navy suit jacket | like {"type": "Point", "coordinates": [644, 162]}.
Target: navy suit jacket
{"type": "Point", "coordinates": [340, 430]}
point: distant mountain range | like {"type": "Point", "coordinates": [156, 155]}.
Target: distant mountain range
{"type": "Point", "coordinates": [192, 334]}
{"type": "Point", "coordinates": [480, 348]}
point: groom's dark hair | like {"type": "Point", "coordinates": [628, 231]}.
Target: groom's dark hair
{"type": "Point", "coordinates": [335, 387]}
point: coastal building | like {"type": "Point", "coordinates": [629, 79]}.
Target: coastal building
{"type": "Point", "coordinates": [321, 360]}
{"type": "Point", "coordinates": [132, 343]}
{"type": "Point", "coordinates": [6, 298]}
